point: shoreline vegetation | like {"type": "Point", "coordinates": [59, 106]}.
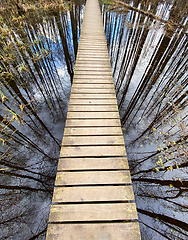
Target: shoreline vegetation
{"type": "Point", "coordinates": [22, 7]}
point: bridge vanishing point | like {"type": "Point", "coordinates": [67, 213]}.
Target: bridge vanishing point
{"type": "Point", "coordinates": [93, 196]}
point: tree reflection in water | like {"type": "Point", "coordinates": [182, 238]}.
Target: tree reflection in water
{"type": "Point", "coordinates": [38, 50]}
{"type": "Point", "coordinates": [149, 63]}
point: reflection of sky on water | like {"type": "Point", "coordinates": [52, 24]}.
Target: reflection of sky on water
{"type": "Point", "coordinates": [147, 52]}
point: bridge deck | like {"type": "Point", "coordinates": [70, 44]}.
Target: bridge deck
{"type": "Point", "coordinates": [93, 197]}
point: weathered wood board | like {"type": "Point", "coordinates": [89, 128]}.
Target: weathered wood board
{"type": "Point", "coordinates": [92, 96]}
{"type": "Point", "coordinates": [93, 131]}
{"type": "Point", "coordinates": [93, 194]}
{"type": "Point", "coordinates": [82, 164]}
{"type": "Point", "coordinates": [93, 123]}
{"type": "Point", "coordinates": [92, 114]}
{"type": "Point", "coordinates": [93, 178]}
{"type": "Point", "coordinates": [92, 212]}
{"type": "Point", "coordinates": [102, 231]}
{"type": "Point", "coordinates": [92, 151]}
{"type": "Point", "coordinates": [93, 108]}
{"type": "Point", "coordinates": [92, 140]}
{"type": "Point", "coordinates": [92, 101]}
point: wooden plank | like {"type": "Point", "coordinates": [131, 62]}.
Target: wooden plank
{"type": "Point", "coordinates": [94, 96]}
{"type": "Point", "coordinates": [83, 90]}
{"type": "Point", "coordinates": [84, 42]}
{"type": "Point", "coordinates": [95, 28]}
{"type": "Point", "coordinates": [92, 140]}
{"type": "Point", "coordinates": [94, 53]}
{"type": "Point", "coordinates": [92, 178]}
{"type": "Point", "coordinates": [94, 47]}
{"type": "Point", "coordinates": [108, 73]}
{"type": "Point", "coordinates": [99, 51]}
{"type": "Point", "coordinates": [93, 131]}
{"type": "Point", "coordinates": [106, 101]}
{"type": "Point", "coordinates": [93, 108]}
{"type": "Point", "coordinates": [91, 85]}
{"type": "Point", "coordinates": [82, 47]}
{"type": "Point", "coordinates": [92, 81]}
{"type": "Point", "coordinates": [93, 212]}
{"type": "Point", "coordinates": [93, 22]}
{"type": "Point", "coordinates": [88, 76]}
{"type": "Point", "coordinates": [92, 151]}
{"type": "Point", "coordinates": [93, 163]}
{"type": "Point", "coordinates": [102, 231]}
{"type": "Point", "coordinates": [92, 194]}
{"type": "Point", "coordinates": [102, 51]}
{"type": "Point", "coordinates": [91, 58]}
{"type": "Point", "coordinates": [92, 114]}
{"type": "Point", "coordinates": [85, 64]}
{"type": "Point", "coordinates": [93, 123]}
{"type": "Point", "coordinates": [91, 41]}
{"type": "Point", "coordinates": [87, 31]}
{"type": "Point", "coordinates": [93, 38]}
{"type": "Point", "coordinates": [93, 63]}
{"type": "Point", "coordinates": [95, 70]}
{"type": "Point", "coordinates": [93, 35]}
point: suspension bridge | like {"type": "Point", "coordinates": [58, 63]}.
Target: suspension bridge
{"type": "Point", "coordinates": [93, 197]}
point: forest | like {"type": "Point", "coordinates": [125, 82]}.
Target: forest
{"type": "Point", "coordinates": [148, 44]}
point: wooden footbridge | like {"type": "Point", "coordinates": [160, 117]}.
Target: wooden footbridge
{"type": "Point", "coordinates": [93, 197]}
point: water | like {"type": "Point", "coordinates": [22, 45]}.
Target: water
{"type": "Point", "coordinates": [149, 64]}
{"type": "Point", "coordinates": [38, 51]}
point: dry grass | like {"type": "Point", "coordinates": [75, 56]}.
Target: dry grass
{"type": "Point", "coordinates": [30, 5]}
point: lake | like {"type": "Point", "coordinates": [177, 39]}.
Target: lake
{"type": "Point", "coordinates": [148, 45]}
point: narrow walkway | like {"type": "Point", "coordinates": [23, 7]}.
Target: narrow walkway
{"type": "Point", "coordinates": [93, 196]}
